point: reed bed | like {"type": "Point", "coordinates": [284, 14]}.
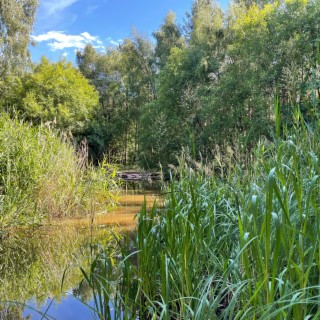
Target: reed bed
{"type": "Point", "coordinates": [238, 245]}
{"type": "Point", "coordinates": [43, 177]}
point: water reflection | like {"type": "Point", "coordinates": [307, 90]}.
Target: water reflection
{"type": "Point", "coordinates": [33, 262]}
{"type": "Point", "coordinates": [67, 309]}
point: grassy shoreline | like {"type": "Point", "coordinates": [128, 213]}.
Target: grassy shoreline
{"type": "Point", "coordinates": [43, 177]}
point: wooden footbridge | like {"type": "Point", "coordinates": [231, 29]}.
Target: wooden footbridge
{"type": "Point", "coordinates": [139, 176]}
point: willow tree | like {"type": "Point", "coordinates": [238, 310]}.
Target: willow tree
{"type": "Point", "coordinates": [16, 20]}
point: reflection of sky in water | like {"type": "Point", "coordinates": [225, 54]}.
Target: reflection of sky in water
{"type": "Point", "coordinates": [70, 308]}
{"type": "Point", "coordinates": [39, 257]}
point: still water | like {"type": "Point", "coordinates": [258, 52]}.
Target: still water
{"type": "Point", "coordinates": [33, 262]}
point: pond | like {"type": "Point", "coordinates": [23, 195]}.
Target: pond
{"type": "Point", "coordinates": [33, 262]}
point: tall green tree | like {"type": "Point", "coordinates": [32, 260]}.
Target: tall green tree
{"type": "Point", "coordinates": [56, 93]}
{"type": "Point", "coordinates": [125, 79]}
{"type": "Point", "coordinates": [138, 74]}
{"type": "Point", "coordinates": [105, 131]}
{"type": "Point", "coordinates": [167, 37]}
{"type": "Point", "coordinates": [272, 51]}
{"type": "Point", "coordinates": [16, 21]}
{"type": "Point", "coordinates": [182, 87]}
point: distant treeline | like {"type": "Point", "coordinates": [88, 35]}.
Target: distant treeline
{"type": "Point", "coordinates": [207, 85]}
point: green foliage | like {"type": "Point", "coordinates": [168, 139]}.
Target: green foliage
{"type": "Point", "coordinates": [16, 20]}
{"type": "Point", "coordinates": [53, 93]}
{"type": "Point", "coordinates": [219, 89]}
{"type": "Point", "coordinates": [273, 53]}
{"type": "Point", "coordinates": [182, 87]}
{"type": "Point", "coordinates": [211, 87]}
{"type": "Point", "coordinates": [107, 124]}
{"type": "Point", "coordinates": [124, 77]}
{"type": "Point", "coordinates": [168, 36]}
{"type": "Point", "coordinates": [243, 244]}
{"type": "Point", "coordinates": [36, 166]}
{"type": "Point", "coordinates": [169, 121]}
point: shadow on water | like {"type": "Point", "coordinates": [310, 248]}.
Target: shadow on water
{"type": "Point", "coordinates": [33, 262]}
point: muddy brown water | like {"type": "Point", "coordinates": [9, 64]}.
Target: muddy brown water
{"type": "Point", "coordinates": [34, 261]}
{"type": "Point", "coordinates": [123, 216]}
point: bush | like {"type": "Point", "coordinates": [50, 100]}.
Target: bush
{"type": "Point", "coordinates": [55, 93]}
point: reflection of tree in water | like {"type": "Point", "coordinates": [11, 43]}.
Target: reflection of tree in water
{"type": "Point", "coordinates": [83, 292]}
{"type": "Point", "coordinates": [105, 248]}
{"type": "Point", "coordinates": [33, 263]}
{"type": "Point", "coordinates": [12, 312]}
{"type": "Point", "coordinates": [17, 254]}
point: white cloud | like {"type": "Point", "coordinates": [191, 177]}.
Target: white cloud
{"type": "Point", "coordinates": [99, 47]}
{"type": "Point", "coordinates": [53, 6]}
{"type": "Point", "coordinates": [65, 54]}
{"type": "Point", "coordinates": [58, 40]}
{"type": "Point", "coordinates": [115, 42]}
{"type": "Point", "coordinates": [89, 37]}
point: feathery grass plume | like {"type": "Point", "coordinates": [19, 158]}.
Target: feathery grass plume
{"type": "Point", "coordinates": [42, 176]}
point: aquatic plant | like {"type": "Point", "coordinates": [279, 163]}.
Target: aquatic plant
{"type": "Point", "coordinates": [42, 176]}
{"type": "Point", "coordinates": [244, 245]}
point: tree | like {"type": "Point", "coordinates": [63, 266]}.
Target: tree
{"type": "Point", "coordinates": [16, 21]}
{"type": "Point", "coordinates": [214, 86]}
{"type": "Point", "coordinates": [138, 75]}
{"type": "Point", "coordinates": [182, 88]}
{"type": "Point", "coordinates": [272, 51]}
{"type": "Point", "coordinates": [125, 79]}
{"type": "Point", "coordinates": [168, 36]}
{"type": "Point", "coordinates": [55, 93]}
{"type": "Point", "coordinates": [106, 129]}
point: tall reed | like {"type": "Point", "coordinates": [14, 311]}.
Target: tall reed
{"type": "Point", "coordinates": [239, 245]}
{"type": "Point", "coordinates": [42, 176]}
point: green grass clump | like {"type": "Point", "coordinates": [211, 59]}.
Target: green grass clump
{"type": "Point", "coordinates": [242, 245]}
{"type": "Point", "coordinates": [43, 177]}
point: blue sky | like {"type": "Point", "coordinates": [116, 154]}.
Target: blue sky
{"type": "Point", "coordinates": [64, 26]}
